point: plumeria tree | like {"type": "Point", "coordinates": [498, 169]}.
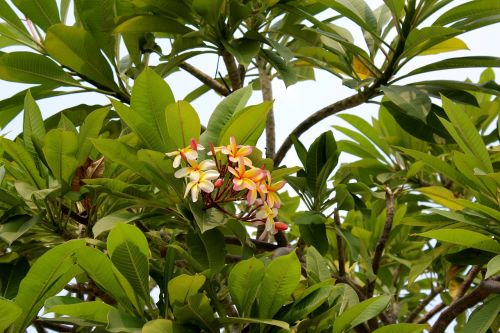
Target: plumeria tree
{"type": "Point", "coordinates": [133, 216]}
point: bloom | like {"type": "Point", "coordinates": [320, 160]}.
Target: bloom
{"type": "Point", "coordinates": [245, 179]}
{"type": "Point", "coordinates": [189, 153]}
{"type": "Point", "coordinates": [268, 214]}
{"type": "Point", "coordinates": [272, 198]}
{"type": "Point", "coordinates": [194, 168]}
{"type": "Point", "coordinates": [200, 181]}
{"type": "Point", "coordinates": [237, 152]}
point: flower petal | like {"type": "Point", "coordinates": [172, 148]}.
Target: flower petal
{"type": "Point", "coordinates": [210, 175]}
{"type": "Point", "coordinates": [183, 172]}
{"type": "Point", "coordinates": [206, 186]}
{"type": "Point", "coordinates": [207, 164]}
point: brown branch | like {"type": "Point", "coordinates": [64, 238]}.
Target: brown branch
{"type": "Point", "coordinates": [259, 245]}
{"type": "Point", "coordinates": [267, 95]}
{"type": "Point", "coordinates": [421, 306]}
{"type": "Point", "coordinates": [377, 257]}
{"type": "Point", "coordinates": [51, 326]}
{"type": "Point", "coordinates": [467, 282]}
{"type": "Point", "coordinates": [205, 78]}
{"type": "Point", "coordinates": [232, 70]}
{"type": "Point", "coordinates": [432, 312]}
{"type": "Point", "coordinates": [340, 245]}
{"type": "Point", "coordinates": [77, 217]}
{"type": "Point", "coordinates": [327, 111]}
{"type": "Point", "coordinates": [354, 100]}
{"type": "Point", "coordinates": [483, 290]}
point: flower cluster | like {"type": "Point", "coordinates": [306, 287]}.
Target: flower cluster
{"type": "Point", "coordinates": [229, 176]}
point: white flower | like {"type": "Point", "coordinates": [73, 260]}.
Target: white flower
{"type": "Point", "coordinates": [200, 181]}
{"type": "Point", "coordinates": [194, 168]}
{"type": "Point", "coordinates": [190, 153]}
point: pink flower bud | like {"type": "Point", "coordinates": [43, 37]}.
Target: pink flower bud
{"type": "Point", "coordinates": [194, 145]}
{"type": "Point", "coordinates": [280, 226]}
{"type": "Point", "coordinates": [219, 182]}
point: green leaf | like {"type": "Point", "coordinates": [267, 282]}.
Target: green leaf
{"type": "Point", "coordinates": [310, 300]}
{"type": "Point", "coordinates": [60, 149]}
{"type": "Point", "coordinates": [11, 274]}
{"type": "Point", "coordinates": [280, 280]}
{"type": "Point", "coordinates": [415, 103]}
{"type": "Point", "coordinates": [493, 267]}
{"type": "Point", "coordinates": [357, 11]}
{"type": "Point", "coordinates": [470, 15]}
{"type": "Point", "coordinates": [442, 196]}
{"type": "Point", "coordinates": [77, 49]}
{"type": "Point", "coordinates": [145, 130]}
{"type": "Point", "coordinates": [208, 248]}
{"type": "Point", "coordinates": [183, 123]}
{"type": "Point", "coordinates": [223, 113]}
{"type": "Point", "coordinates": [197, 310]}
{"type": "Point", "coordinates": [483, 317]}
{"type": "Point", "coordinates": [401, 328]}
{"type": "Point", "coordinates": [465, 238]}
{"type": "Point", "coordinates": [100, 269]}
{"type": "Point", "coordinates": [322, 158]}
{"type": "Point", "coordinates": [450, 45]}
{"type": "Point", "coordinates": [244, 281]}
{"type": "Point", "coordinates": [181, 287]}
{"type": "Point", "coordinates": [420, 40]}
{"type": "Point", "coordinates": [316, 266]}
{"type": "Point", "coordinates": [33, 126]}
{"type": "Point", "coordinates": [163, 326]}
{"type": "Point", "coordinates": [360, 313]}
{"type": "Point", "coordinates": [94, 311]}
{"type": "Point", "coordinates": [9, 312]}
{"type": "Point", "coordinates": [466, 135]}
{"type": "Point", "coordinates": [12, 230]}
{"type": "Point", "coordinates": [452, 63]}
{"type": "Point", "coordinates": [90, 129]}
{"type": "Point", "coordinates": [24, 160]}
{"type": "Point", "coordinates": [150, 96]}
{"type": "Point", "coordinates": [315, 235]}
{"type": "Point", "coordinates": [28, 67]}
{"type": "Point", "coordinates": [47, 276]}
{"type": "Point", "coordinates": [43, 13]}
{"type": "Point", "coordinates": [10, 17]}
{"type": "Point", "coordinates": [152, 23]}
{"type": "Point", "coordinates": [246, 125]}
{"type": "Point", "coordinates": [119, 322]}
{"type": "Point", "coordinates": [129, 252]}
{"type": "Point", "coordinates": [240, 320]}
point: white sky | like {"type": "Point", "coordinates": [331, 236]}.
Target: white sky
{"type": "Point", "coordinates": [292, 105]}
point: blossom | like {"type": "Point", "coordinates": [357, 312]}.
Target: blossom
{"type": "Point", "coordinates": [271, 190]}
{"type": "Point", "coordinates": [267, 214]}
{"type": "Point", "coordinates": [200, 181]}
{"type": "Point", "coordinates": [237, 152]}
{"type": "Point", "coordinates": [194, 168]}
{"type": "Point", "coordinates": [245, 179]}
{"type": "Point", "coordinates": [189, 153]}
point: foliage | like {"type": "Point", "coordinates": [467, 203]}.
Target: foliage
{"type": "Point", "coordinates": [101, 232]}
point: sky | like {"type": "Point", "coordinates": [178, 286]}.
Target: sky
{"type": "Point", "coordinates": [292, 104]}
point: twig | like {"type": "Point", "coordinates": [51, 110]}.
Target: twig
{"type": "Point", "coordinates": [354, 100]}
{"type": "Point", "coordinates": [389, 218]}
{"type": "Point", "coordinates": [259, 245]}
{"type": "Point", "coordinates": [232, 70]}
{"type": "Point", "coordinates": [340, 245]}
{"type": "Point", "coordinates": [432, 312]}
{"type": "Point", "coordinates": [483, 290]}
{"type": "Point", "coordinates": [51, 326]}
{"type": "Point", "coordinates": [267, 95]}
{"type": "Point", "coordinates": [205, 78]}
{"type": "Point", "coordinates": [434, 292]}
{"type": "Point", "coordinates": [467, 282]}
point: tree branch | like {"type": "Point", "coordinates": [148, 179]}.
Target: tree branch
{"type": "Point", "coordinates": [340, 245]}
{"type": "Point", "coordinates": [232, 70]}
{"type": "Point", "coordinates": [483, 290]}
{"type": "Point", "coordinates": [467, 282]}
{"type": "Point", "coordinates": [389, 218]}
{"type": "Point", "coordinates": [267, 95]}
{"type": "Point", "coordinates": [413, 315]}
{"type": "Point", "coordinates": [259, 245]}
{"type": "Point", "coordinates": [354, 100]}
{"type": "Point", "coordinates": [205, 78]}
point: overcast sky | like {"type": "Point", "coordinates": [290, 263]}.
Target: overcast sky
{"type": "Point", "coordinates": [292, 104]}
